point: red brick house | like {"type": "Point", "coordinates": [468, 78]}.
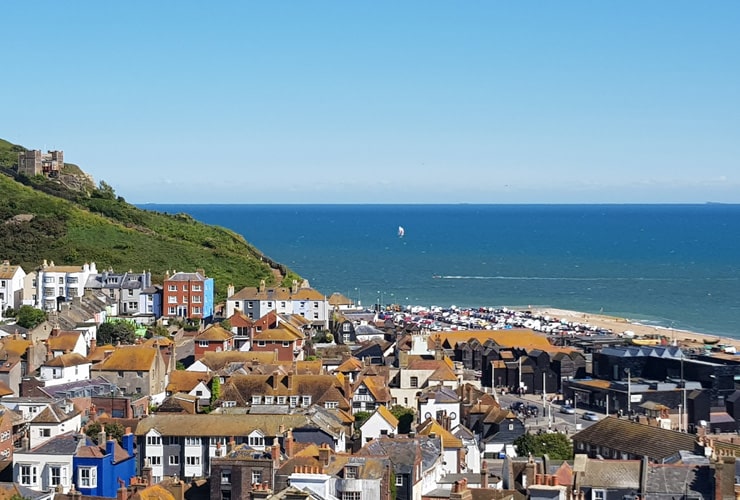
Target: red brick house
{"type": "Point", "coordinates": [283, 339]}
{"type": "Point", "coordinates": [215, 338]}
{"type": "Point", "coordinates": [188, 295]}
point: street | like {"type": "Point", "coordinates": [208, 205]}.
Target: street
{"type": "Point", "coordinates": [560, 421]}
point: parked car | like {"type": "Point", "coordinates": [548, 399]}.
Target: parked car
{"type": "Point", "coordinates": [567, 409]}
{"type": "Point", "coordinates": [590, 416]}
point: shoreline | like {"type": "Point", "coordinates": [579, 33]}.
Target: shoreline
{"type": "Point", "coordinates": [617, 325]}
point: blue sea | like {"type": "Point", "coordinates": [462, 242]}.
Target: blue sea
{"type": "Point", "coordinates": [676, 266]}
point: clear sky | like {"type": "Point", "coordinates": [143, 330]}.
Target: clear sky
{"type": "Point", "coordinates": [382, 102]}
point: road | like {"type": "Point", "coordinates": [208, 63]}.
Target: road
{"type": "Point", "coordinates": [560, 421]}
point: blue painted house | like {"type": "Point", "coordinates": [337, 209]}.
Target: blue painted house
{"type": "Point", "coordinates": [98, 468]}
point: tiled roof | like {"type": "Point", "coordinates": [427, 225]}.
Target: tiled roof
{"type": "Point", "coordinates": [129, 358]}
{"type": "Point", "coordinates": [636, 439]}
{"type": "Point", "coordinates": [7, 271]}
{"type": "Point", "coordinates": [337, 299]}
{"type": "Point", "coordinates": [65, 360]}
{"type": "Point", "coordinates": [53, 414]}
{"type": "Point", "coordinates": [181, 276]}
{"type": "Point", "coordinates": [524, 338]}
{"type": "Point", "coordinates": [277, 334]}
{"type": "Point", "coordinates": [63, 444]}
{"type": "Point", "coordinates": [218, 425]}
{"type": "Point", "coordinates": [15, 346]}
{"type": "Point", "coordinates": [98, 354]}
{"type": "Point", "coordinates": [350, 365]}
{"type": "Point", "coordinates": [64, 341]}
{"type": "Point", "coordinates": [218, 360]}
{"type": "Point", "coordinates": [214, 333]}
{"type": "Point", "coordinates": [378, 387]}
{"type": "Point", "coordinates": [431, 426]}
{"type": "Point", "coordinates": [681, 480]}
{"type": "Point", "coordinates": [184, 381]}
{"type": "Point", "coordinates": [622, 474]}
{"type": "Point", "coordinates": [321, 388]}
{"type": "Point", "coordinates": [388, 416]}
{"type": "Point", "coordinates": [5, 390]}
{"type": "Point", "coordinates": [241, 320]}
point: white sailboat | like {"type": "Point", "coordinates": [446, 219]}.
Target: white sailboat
{"type": "Point", "coordinates": [401, 231]}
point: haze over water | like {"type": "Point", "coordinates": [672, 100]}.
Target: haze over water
{"type": "Point", "coordinates": [668, 265]}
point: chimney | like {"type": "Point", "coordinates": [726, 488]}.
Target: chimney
{"type": "Point", "coordinates": [202, 272]}
{"type": "Point", "coordinates": [93, 345]}
{"type": "Point", "coordinates": [403, 359]}
{"type": "Point", "coordinates": [461, 452]}
{"type": "Point", "coordinates": [324, 452]}
{"type": "Point", "coordinates": [262, 286]}
{"type": "Point", "coordinates": [275, 454]}
{"type": "Point", "coordinates": [177, 488]}
{"type": "Point", "coordinates": [460, 491]}
{"type": "Point", "coordinates": [146, 473]}
{"type": "Point", "coordinates": [289, 443]}
{"type": "Point", "coordinates": [101, 435]}
{"type": "Point", "coordinates": [231, 445]}
{"type": "Point", "coordinates": [484, 474]}
{"type": "Point", "coordinates": [49, 354]}
{"type": "Point", "coordinates": [229, 290]}
{"type": "Point", "coordinates": [24, 442]}
{"type": "Point", "coordinates": [122, 493]}
{"type": "Point", "coordinates": [529, 472]}
{"type": "Point", "coordinates": [275, 380]}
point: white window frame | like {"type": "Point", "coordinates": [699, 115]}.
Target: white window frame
{"type": "Point", "coordinates": [29, 477]}
{"type": "Point", "coordinates": [174, 460]}
{"type": "Point", "coordinates": [87, 475]}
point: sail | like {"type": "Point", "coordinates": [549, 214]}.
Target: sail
{"type": "Point", "coordinates": [401, 231]}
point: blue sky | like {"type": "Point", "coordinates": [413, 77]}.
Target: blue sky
{"type": "Point", "coordinates": [382, 102]}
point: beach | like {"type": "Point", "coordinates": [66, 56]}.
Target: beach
{"type": "Point", "coordinates": [617, 325]}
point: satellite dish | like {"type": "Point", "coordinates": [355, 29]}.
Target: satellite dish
{"type": "Point", "coordinates": [427, 415]}
{"type": "Point", "coordinates": [453, 415]}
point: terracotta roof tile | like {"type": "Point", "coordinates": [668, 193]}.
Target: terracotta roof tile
{"type": "Point", "coordinates": [129, 358]}
{"type": "Point", "coordinates": [64, 341]}
{"type": "Point", "coordinates": [65, 360]}
{"type": "Point", "coordinates": [215, 333]}
{"type": "Point", "coordinates": [184, 381]}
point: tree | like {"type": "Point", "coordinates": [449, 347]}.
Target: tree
{"type": "Point", "coordinates": [157, 331]}
{"type": "Point", "coordinates": [30, 317]}
{"type": "Point", "coordinates": [361, 417]}
{"type": "Point", "coordinates": [112, 333]}
{"type": "Point", "coordinates": [113, 430]}
{"type": "Point", "coordinates": [215, 390]}
{"type": "Point", "coordinates": [555, 444]}
{"type": "Point", "coordinates": [405, 418]}
{"type": "Point", "coordinates": [226, 325]}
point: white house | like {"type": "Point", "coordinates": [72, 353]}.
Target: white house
{"type": "Point", "coordinates": [54, 420]}
{"type": "Point", "coordinates": [439, 402]}
{"type": "Point", "coordinates": [65, 368]}
{"type": "Point", "coordinates": [381, 423]}
{"type": "Point", "coordinates": [60, 342]}
{"type": "Point", "coordinates": [48, 465]}
{"type": "Point", "coordinates": [68, 282]}
{"type": "Point", "coordinates": [11, 286]}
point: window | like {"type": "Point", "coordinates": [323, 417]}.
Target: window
{"type": "Point", "coordinates": [61, 280]}
{"type": "Point", "coordinates": [250, 305]}
{"type": "Point", "coordinates": [256, 400]}
{"type": "Point", "coordinates": [140, 374]}
{"type": "Point", "coordinates": [174, 460]}
{"type": "Point", "coordinates": [330, 405]}
{"type": "Point", "coordinates": [351, 495]}
{"type": "Point", "coordinates": [196, 310]}
{"type": "Point", "coordinates": [196, 299]}
{"type": "Point", "coordinates": [282, 304]}
{"type": "Point", "coordinates": [189, 441]}
{"type": "Point", "coordinates": [197, 288]}
{"type": "Point", "coordinates": [172, 299]}
{"type": "Point", "coordinates": [305, 400]}
{"type": "Point", "coordinates": [57, 475]}
{"type": "Point", "coordinates": [260, 343]}
{"type": "Point", "coordinates": [153, 440]}
{"type": "Point", "coordinates": [350, 472]}
{"type": "Point", "coordinates": [172, 288]}
{"type": "Point", "coordinates": [269, 304]}
{"type": "Point", "coordinates": [192, 460]}
{"type": "Point", "coordinates": [511, 427]}
{"type": "Point", "coordinates": [414, 382]}
{"type": "Point", "coordinates": [203, 343]}
{"type": "Point", "coordinates": [88, 477]}
{"type": "Point", "coordinates": [346, 327]}
{"type": "Point", "coordinates": [225, 476]}
{"type": "Point", "coordinates": [256, 441]}
{"type": "Point", "coordinates": [293, 401]}
{"type": "Point", "coordinates": [315, 315]}
{"type": "Point", "coordinates": [598, 494]}
{"type": "Point", "coordinates": [281, 400]}
{"type": "Point", "coordinates": [5, 436]}
{"type": "Point", "coordinates": [315, 305]}
{"type": "Point", "coordinates": [155, 460]}
{"type": "Point", "coordinates": [399, 480]}
{"type": "Point", "coordinates": [256, 476]}
{"type": "Point", "coordinates": [45, 432]}
{"type": "Point", "coordinates": [269, 400]}
{"type": "Point", "coordinates": [28, 475]}
{"type": "Point", "coordinates": [172, 311]}
{"type": "Point", "coordinates": [286, 343]}
{"type": "Point", "coordinates": [218, 440]}
{"type": "Point", "coordinates": [228, 404]}
{"type": "Point", "coordinates": [185, 288]}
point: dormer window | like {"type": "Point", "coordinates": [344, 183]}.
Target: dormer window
{"type": "Point", "coordinates": [350, 472]}
{"type": "Point", "coordinates": [293, 401]}
{"type": "Point", "coordinates": [269, 400]}
{"type": "Point", "coordinates": [256, 400]}
{"type": "Point", "coordinates": [305, 400]}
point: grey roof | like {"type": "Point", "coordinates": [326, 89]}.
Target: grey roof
{"type": "Point", "coordinates": [186, 277]}
{"type": "Point", "coordinates": [440, 394]}
{"type": "Point", "coordinates": [679, 479]}
{"type": "Point", "coordinates": [63, 444]}
{"type": "Point", "coordinates": [368, 330]}
{"type": "Point", "coordinates": [402, 451]}
{"type": "Point", "coordinates": [611, 474]}
{"type": "Point", "coordinates": [11, 329]}
{"type": "Point", "coordinates": [98, 386]}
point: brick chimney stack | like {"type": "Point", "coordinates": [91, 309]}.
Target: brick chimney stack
{"type": "Point", "coordinates": [460, 491]}
{"type": "Point", "coordinates": [484, 474]}
{"type": "Point", "coordinates": [324, 452]}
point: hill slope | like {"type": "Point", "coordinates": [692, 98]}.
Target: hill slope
{"type": "Point", "coordinates": [42, 219]}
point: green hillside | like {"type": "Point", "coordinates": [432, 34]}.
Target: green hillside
{"type": "Point", "coordinates": [94, 225]}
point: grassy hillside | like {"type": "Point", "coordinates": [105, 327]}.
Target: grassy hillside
{"type": "Point", "coordinates": [73, 227]}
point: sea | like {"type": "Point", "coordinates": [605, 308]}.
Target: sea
{"type": "Point", "coordinates": [674, 266]}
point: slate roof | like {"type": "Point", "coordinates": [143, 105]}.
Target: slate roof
{"type": "Point", "coordinates": [635, 438]}
{"type": "Point", "coordinates": [679, 479]}
{"type": "Point", "coordinates": [63, 444]}
{"type": "Point", "coordinates": [403, 451]}
{"type": "Point", "coordinates": [53, 414]}
{"type": "Point", "coordinates": [622, 474]}
{"type": "Point", "coordinates": [65, 360]}
{"type": "Point", "coordinates": [182, 276]}
{"type": "Point", "coordinates": [99, 451]}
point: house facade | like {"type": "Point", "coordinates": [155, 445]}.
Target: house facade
{"type": "Point", "coordinates": [56, 284]}
{"type": "Point", "coordinates": [136, 370]}
{"type": "Point", "coordinates": [64, 369]}
{"type": "Point", "coordinates": [213, 339]}
{"type": "Point", "coordinates": [11, 286]}
{"type": "Point", "coordinates": [188, 295]}
{"type": "Point", "coordinates": [133, 293]}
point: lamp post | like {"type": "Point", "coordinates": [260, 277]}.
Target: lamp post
{"type": "Point", "coordinates": [629, 392]}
